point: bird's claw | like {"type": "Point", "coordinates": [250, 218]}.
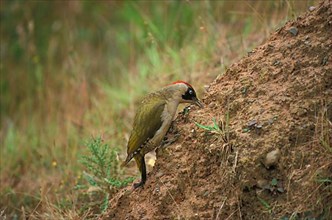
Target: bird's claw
{"type": "Point", "coordinates": [137, 185]}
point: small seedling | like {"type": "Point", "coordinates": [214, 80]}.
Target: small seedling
{"type": "Point", "coordinates": [213, 129]}
{"type": "Point", "coordinates": [224, 131]}
{"type": "Point", "coordinates": [274, 182]}
{"type": "Point", "coordinates": [274, 187]}
{"type": "Point", "coordinates": [265, 204]}
{"type": "Point", "coordinates": [102, 170]}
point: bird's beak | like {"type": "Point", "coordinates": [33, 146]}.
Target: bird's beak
{"type": "Point", "coordinates": [198, 103]}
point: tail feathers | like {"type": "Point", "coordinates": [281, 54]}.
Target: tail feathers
{"type": "Point", "coordinates": [124, 164]}
{"type": "Point", "coordinates": [129, 157]}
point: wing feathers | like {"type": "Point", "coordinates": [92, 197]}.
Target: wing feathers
{"type": "Point", "coordinates": [146, 123]}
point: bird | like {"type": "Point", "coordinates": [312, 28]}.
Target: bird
{"type": "Point", "coordinates": [153, 119]}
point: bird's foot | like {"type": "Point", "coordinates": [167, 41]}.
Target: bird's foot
{"type": "Point", "coordinates": [137, 185]}
{"type": "Point", "coordinates": [170, 140]}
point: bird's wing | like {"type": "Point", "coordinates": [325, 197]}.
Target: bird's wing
{"type": "Point", "coordinates": [147, 121]}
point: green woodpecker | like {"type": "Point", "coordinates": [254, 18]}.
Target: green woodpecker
{"type": "Point", "coordinates": [153, 119]}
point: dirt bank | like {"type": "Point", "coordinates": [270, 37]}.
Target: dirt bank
{"type": "Point", "coordinates": [272, 157]}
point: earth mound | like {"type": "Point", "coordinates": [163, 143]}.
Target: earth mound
{"type": "Point", "coordinates": [261, 147]}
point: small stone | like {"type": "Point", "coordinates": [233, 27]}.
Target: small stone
{"type": "Point", "coordinates": [312, 8]}
{"type": "Point", "coordinates": [258, 126]}
{"type": "Point", "coordinates": [212, 105]}
{"type": "Point", "coordinates": [293, 30]}
{"type": "Point", "coordinates": [252, 123]}
{"type": "Point", "coordinates": [276, 63]}
{"type": "Point", "coordinates": [156, 191]}
{"type": "Point", "coordinates": [272, 158]}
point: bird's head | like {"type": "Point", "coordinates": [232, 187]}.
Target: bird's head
{"type": "Point", "coordinates": [183, 92]}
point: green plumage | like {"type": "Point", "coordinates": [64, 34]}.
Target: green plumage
{"type": "Point", "coordinates": [152, 121]}
{"type": "Point", "coordinates": [147, 121]}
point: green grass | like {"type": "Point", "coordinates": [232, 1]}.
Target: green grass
{"type": "Point", "coordinates": [76, 69]}
{"type": "Point", "coordinates": [265, 204]}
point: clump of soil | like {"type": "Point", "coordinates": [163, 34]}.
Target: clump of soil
{"type": "Point", "coordinates": [272, 157]}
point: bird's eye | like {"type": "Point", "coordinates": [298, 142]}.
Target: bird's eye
{"type": "Point", "coordinates": [189, 95]}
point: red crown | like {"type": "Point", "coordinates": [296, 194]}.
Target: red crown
{"type": "Point", "coordinates": [180, 81]}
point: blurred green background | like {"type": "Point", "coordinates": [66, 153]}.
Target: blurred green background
{"type": "Point", "coordinates": [75, 69]}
